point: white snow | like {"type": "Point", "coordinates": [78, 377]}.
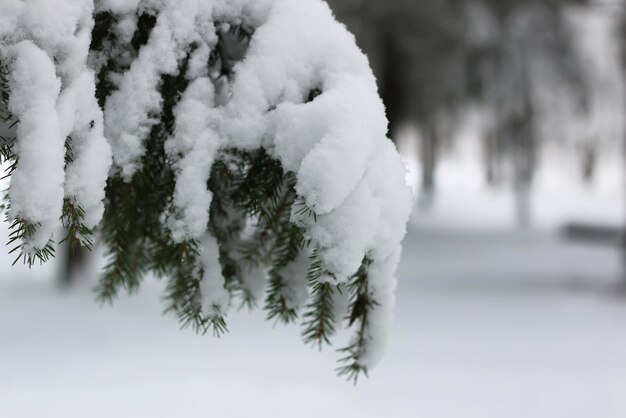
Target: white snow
{"type": "Point", "coordinates": [82, 121]}
{"type": "Point", "coordinates": [36, 191]}
{"type": "Point", "coordinates": [472, 338]}
{"type": "Point", "coordinates": [215, 298]}
{"type": "Point", "coordinates": [87, 174]}
{"type": "Point", "coordinates": [61, 31]}
{"type": "Point", "coordinates": [193, 147]}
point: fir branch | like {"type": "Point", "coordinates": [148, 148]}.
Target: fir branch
{"type": "Point", "coordinates": [360, 307]}
{"type": "Point", "coordinates": [287, 246]}
{"type": "Point", "coordinates": [226, 219]}
{"type": "Point", "coordinates": [301, 209]}
{"type": "Point", "coordinates": [73, 215]}
{"type": "Point", "coordinates": [22, 234]}
{"type": "Point", "coordinates": [22, 231]}
{"type": "Point", "coordinates": [276, 304]}
{"type": "Point", "coordinates": [107, 47]}
{"type": "Point", "coordinates": [252, 185]}
{"type": "Point", "coordinates": [286, 238]}
{"type": "Point", "coordinates": [5, 114]}
{"type": "Point", "coordinates": [123, 240]}
{"type": "Point", "coordinates": [78, 235]}
{"type": "Point", "coordinates": [183, 290]}
{"type": "Point", "coordinates": [122, 271]}
{"type": "Point", "coordinates": [319, 324]}
{"type": "Point", "coordinates": [7, 155]}
{"type": "Point", "coordinates": [7, 145]}
{"type": "Point", "coordinates": [132, 229]}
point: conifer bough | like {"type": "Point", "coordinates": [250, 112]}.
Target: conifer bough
{"type": "Point", "coordinates": [236, 148]}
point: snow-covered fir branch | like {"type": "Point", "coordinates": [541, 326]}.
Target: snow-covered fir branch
{"type": "Point", "coordinates": [235, 147]}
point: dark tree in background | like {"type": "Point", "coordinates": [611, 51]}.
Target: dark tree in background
{"type": "Point", "coordinates": [417, 52]}
{"type": "Point", "coordinates": [435, 58]}
{"type": "Point", "coordinates": [623, 62]}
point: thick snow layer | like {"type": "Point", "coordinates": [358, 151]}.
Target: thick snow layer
{"type": "Point", "coordinates": [295, 84]}
{"type": "Point", "coordinates": [83, 122]}
{"type": "Point", "coordinates": [37, 184]}
{"type": "Point", "coordinates": [61, 32]}
{"type": "Point", "coordinates": [198, 144]}
{"type": "Point", "coordinates": [87, 174]}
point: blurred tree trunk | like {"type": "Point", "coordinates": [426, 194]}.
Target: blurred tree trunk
{"type": "Point", "coordinates": [589, 160]}
{"type": "Point", "coordinates": [491, 158]}
{"type": "Point", "coordinates": [623, 53]}
{"type": "Point", "coordinates": [518, 132]}
{"type": "Point", "coordinates": [429, 150]}
{"type": "Point", "coordinates": [393, 86]}
{"type": "Point", "coordinates": [524, 160]}
{"type": "Point", "coordinates": [71, 266]}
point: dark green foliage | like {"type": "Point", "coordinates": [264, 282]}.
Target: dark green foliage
{"type": "Point", "coordinates": [145, 23]}
{"type": "Point", "coordinates": [6, 143]}
{"type": "Point", "coordinates": [102, 31]}
{"type": "Point", "coordinates": [73, 217]}
{"type": "Point", "coordinates": [78, 235]}
{"type": "Point", "coordinates": [132, 228]}
{"type": "Point", "coordinates": [126, 252]}
{"type": "Point", "coordinates": [226, 219]}
{"type": "Point", "coordinates": [102, 38]}
{"type": "Point", "coordinates": [361, 305]}
{"type": "Point", "coordinates": [5, 115]}
{"type": "Point", "coordinates": [319, 318]}
{"type": "Point", "coordinates": [21, 233]}
{"type": "Point", "coordinates": [183, 291]}
{"type": "Point", "coordinates": [252, 186]}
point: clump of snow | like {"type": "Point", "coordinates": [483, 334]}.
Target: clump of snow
{"type": "Point", "coordinates": [83, 122]}
{"type": "Point", "coordinates": [214, 297]}
{"type": "Point", "coordinates": [56, 37]}
{"type": "Point", "coordinates": [87, 174]}
{"type": "Point", "coordinates": [295, 289]}
{"type": "Point", "coordinates": [194, 145]}
{"type": "Point", "coordinates": [382, 285]}
{"type": "Point", "coordinates": [36, 191]}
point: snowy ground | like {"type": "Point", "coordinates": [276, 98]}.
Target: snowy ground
{"type": "Point", "coordinates": [472, 338]}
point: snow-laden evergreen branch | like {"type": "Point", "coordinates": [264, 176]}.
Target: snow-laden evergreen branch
{"type": "Point", "coordinates": [245, 150]}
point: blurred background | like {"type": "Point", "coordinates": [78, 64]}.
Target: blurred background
{"type": "Point", "coordinates": [512, 288]}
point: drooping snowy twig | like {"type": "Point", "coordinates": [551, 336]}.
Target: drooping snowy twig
{"type": "Point", "coordinates": [243, 138]}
